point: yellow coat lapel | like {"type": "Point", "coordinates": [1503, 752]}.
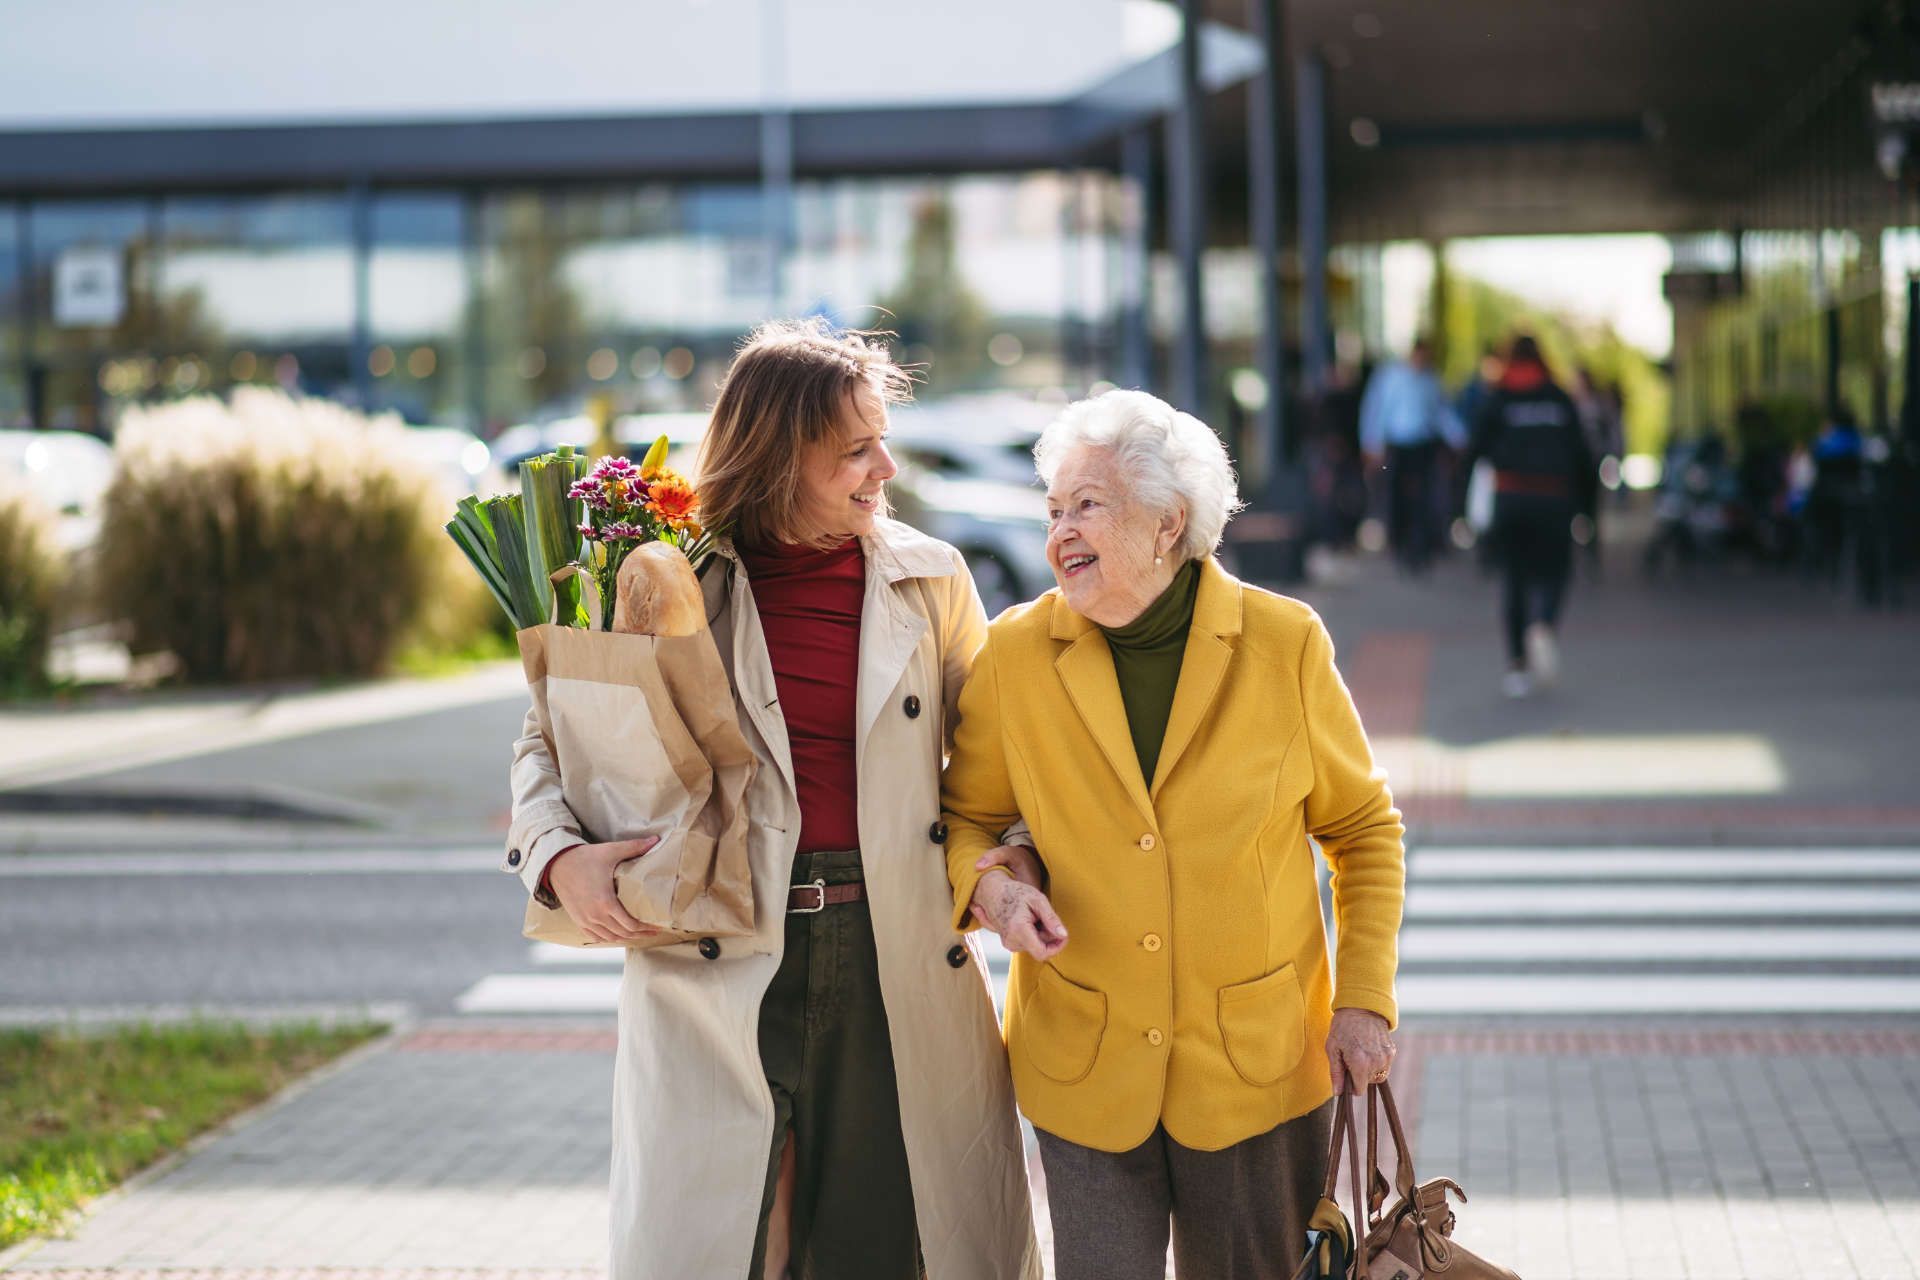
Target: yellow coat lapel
{"type": "Point", "coordinates": [1216, 620]}
{"type": "Point", "coordinates": [1086, 669]}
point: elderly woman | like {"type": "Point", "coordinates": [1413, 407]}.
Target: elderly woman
{"type": "Point", "coordinates": [1173, 737]}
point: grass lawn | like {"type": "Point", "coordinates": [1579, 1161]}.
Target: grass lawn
{"type": "Point", "coordinates": [81, 1111]}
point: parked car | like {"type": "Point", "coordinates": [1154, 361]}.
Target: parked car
{"type": "Point", "coordinates": [460, 460]}
{"type": "Point", "coordinates": [966, 477]}
{"type": "Point", "coordinates": [70, 470]}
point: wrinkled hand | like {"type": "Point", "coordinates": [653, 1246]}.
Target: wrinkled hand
{"type": "Point", "coordinates": [1359, 1050]}
{"type": "Point", "coordinates": [1021, 862]}
{"type": "Point", "coordinates": [1021, 915]}
{"type": "Point", "coordinates": [582, 878]}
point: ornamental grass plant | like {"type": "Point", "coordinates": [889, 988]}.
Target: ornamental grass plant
{"type": "Point", "coordinates": [30, 574]}
{"type": "Point", "coordinates": [271, 538]}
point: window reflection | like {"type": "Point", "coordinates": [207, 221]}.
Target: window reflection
{"type": "Point", "coordinates": [268, 276]}
{"type": "Point", "coordinates": [490, 308]}
{"type": "Point", "coordinates": [13, 388]}
{"type": "Point", "coordinates": [417, 309]}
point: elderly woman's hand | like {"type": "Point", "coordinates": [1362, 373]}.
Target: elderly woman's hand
{"type": "Point", "coordinates": [1359, 1050]}
{"type": "Point", "coordinates": [1021, 915]}
{"type": "Point", "coordinates": [1021, 862]}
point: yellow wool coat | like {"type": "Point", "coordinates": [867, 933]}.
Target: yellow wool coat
{"type": "Point", "coordinates": [1194, 988]}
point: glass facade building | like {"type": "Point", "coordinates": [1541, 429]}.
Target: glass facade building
{"type": "Point", "coordinates": [486, 307]}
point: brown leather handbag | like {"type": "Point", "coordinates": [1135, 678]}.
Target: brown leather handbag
{"type": "Point", "coordinates": [1410, 1240]}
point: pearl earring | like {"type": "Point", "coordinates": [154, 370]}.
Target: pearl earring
{"type": "Point", "coordinates": [1157, 560]}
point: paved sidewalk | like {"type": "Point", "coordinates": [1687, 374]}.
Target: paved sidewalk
{"type": "Point", "coordinates": [481, 1149]}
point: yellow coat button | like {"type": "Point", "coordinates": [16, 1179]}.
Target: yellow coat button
{"type": "Point", "coordinates": [1151, 942]}
{"type": "Point", "coordinates": [1147, 842]}
{"type": "Point", "coordinates": [1154, 1036]}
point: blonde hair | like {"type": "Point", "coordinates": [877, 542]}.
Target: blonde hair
{"type": "Point", "coordinates": [785, 394]}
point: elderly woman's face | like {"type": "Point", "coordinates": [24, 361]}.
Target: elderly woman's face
{"type": "Point", "coordinates": [1102, 545]}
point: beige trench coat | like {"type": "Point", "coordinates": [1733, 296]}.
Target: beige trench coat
{"type": "Point", "coordinates": [692, 1115]}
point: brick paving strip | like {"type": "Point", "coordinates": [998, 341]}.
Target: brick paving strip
{"type": "Point", "coordinates": [464, 1152]}
{"type": "Point", "coordinates": [1738, 1153]}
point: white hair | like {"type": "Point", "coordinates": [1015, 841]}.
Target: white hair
{"type": "Point", "coordinates": [1171, 460]}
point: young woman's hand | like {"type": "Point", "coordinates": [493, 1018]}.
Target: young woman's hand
{"type": "Point", "coordinates": [1021, 915]}
{"type": "Point", "coordinates": [582, 878]}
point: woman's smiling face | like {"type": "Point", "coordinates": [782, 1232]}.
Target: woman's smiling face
{"type": "Point", "coordinates": [1102, 544]}
{"type": "Point", "coordinates": [845, 475]}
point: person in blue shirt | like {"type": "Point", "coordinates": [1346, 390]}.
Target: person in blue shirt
{"type": "Point", "coordinates": [1404, 418]}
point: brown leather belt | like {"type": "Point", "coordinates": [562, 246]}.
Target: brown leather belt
{"type": "Point", "coordinates": [806, 899]}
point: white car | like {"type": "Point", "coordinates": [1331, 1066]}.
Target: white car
{"type": "Point", "coordinates": [69, 470]}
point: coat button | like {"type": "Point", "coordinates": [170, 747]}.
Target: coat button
{"type": "Point", "coordinates": [957, 956]}
{"type": "Point", "coordinates": [1147, 842]}
{"type": "Point", "coordinates": [911, 706]}
{"type": "Point", "coordinates": [710, 948]}
{"type": "Point", "coordinates": [1154, 1035]}
{"type": "Point", "coordinates": [513, 857]}
{"type": "Point", "coordinates": [937, 833]}
{"type": "Point", "coordinates": [1151, 942]}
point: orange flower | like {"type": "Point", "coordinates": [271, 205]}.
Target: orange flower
{"type": "Point", "coordinates": [672, 499]}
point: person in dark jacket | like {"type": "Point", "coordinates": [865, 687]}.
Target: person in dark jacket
{"type": "Point", "coordinates": [1529, 429]}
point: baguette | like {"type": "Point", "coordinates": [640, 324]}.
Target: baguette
{"type": "Point", "coordinates": [657, 593]}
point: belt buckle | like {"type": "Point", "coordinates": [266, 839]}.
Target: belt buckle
{"type": "Point", "coordinates": [820, 888]}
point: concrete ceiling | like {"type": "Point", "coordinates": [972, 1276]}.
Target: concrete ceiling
{"type": "Point", "coordinates": [1517, 116]}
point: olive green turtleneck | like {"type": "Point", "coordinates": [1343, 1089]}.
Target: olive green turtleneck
{"type": "Point", "coordinates": [1146, 658]}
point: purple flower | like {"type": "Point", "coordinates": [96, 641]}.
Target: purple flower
{"type": "Point", "coordinates": [625, 529]}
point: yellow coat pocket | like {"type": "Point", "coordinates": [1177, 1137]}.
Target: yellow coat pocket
{"type": "Point", "coordinates": [1264, 1025]}
{"type": "Point", "coordinates": [1062, 1026]}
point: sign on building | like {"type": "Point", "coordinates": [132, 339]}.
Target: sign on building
{"type": "Point", "coordinates": [89, 287]}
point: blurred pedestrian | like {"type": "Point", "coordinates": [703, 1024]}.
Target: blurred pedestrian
{"type": "Point", "coordinates": [1834, 499]}
{"type": "Point", "coordinates": [1529, 429]}
{"type": "Point", "coordinates": [1404, 419]}
{"type": "Point", "coordinates": [830, 1097]}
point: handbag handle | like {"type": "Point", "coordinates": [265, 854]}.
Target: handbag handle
{"type": "Point", "coordinates": [1403, 1176]}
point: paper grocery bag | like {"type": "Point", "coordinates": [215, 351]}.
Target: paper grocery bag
{"type": "Point", "coordinates": [643, 733]}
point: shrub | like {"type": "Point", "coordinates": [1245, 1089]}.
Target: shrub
{"type": "Point", "coordinates": [272, 538]}
{"type": "Point", "coordinates": [30, 569]}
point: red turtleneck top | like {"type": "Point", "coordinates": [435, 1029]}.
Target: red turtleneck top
{"type": "Point", "coordinates": [809, 604]}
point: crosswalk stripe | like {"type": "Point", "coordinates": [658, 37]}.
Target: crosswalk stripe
{"type": "Point", "coordinates": [542, 993]}
{"type": "Point", "coordinates": [1540, 932]}
{"type": "Point", "coordinates": [1636, 993]}
{"type": "Point", "coordinates": [550, 954]}
{"type": "Point", "coordinates": [1630, 902]}
{"type": "Point", "coordinates": [1669, 864]}
{"type": "Point", "coordinates": [1461, 943]}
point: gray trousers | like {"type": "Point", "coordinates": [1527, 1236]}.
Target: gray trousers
{"type": "Point", "coordinates": [1236, 1214]}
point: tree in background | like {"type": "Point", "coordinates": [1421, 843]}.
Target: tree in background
{"type": "Point", "coordinates": [1479, 316]}
{"type": "Point", "coordinates": [932, 306]}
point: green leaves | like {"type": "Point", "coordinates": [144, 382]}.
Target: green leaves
{"type": "Point", "coordinates": [553, 529]}
{"type": "Point", "coordinates": [516, 542]}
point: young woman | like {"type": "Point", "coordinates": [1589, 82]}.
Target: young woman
{"type": "Point", "coordinates": [830, 1097]}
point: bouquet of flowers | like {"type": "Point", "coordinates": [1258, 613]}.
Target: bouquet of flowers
{"type": "Point", "coordinates": [628, 690]}
{"type": "Point", "coordinates": [627, 507]}
{"type": "Point", "coordinates": [566, 515]}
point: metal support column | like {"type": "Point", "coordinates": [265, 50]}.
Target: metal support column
{"type": "Point", "coordinates": [360, 212]}
{"type": "Point", "coordinates": [1910, 405]}
{"type": "Point", "coordinates": [32, 386]}
{"type": "Point", "coordinates": [776, 151]}
{"type": "Point", "coordinates": [1279, 555]}
{"type": "Point", "coordinates": [1187, 205]}
{"type": "Point", "coordinates": [1310, 125]}
{"type": "Point", "coordinates": [1263, 184]}
{"type": "Point", "coordinates": [473, 263]}
{"type": "Point", "coordinates": [1832, 328]}
{"type": "Point", "coordinates": [1136, 279]}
